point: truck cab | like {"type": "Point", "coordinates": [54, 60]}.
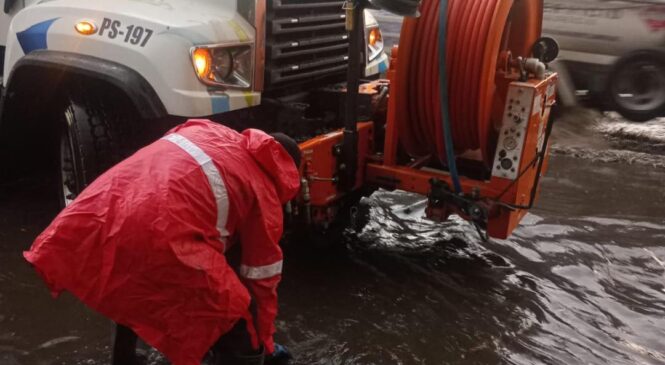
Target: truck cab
{"type": "Point", "coordinates": [106, 74]}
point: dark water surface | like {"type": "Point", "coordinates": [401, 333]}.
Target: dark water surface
{"type": "Point", "coordinates": [582, 281]}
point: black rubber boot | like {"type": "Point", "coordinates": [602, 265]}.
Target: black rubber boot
{"type": "Point", "coordinates": [238, 359]}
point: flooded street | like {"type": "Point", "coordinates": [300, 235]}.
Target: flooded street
{"type": "Point", "coordinates": [581, 281]}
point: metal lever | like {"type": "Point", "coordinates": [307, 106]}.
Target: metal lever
{"type": "Point", "coordinates": [348, 161]}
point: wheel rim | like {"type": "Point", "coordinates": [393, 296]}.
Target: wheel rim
{"type": "Point", "coordinates": [68, 169]}
{"type": "Point", "coordinates": [640, 87]}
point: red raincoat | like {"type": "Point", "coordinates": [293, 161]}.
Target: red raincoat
{"type": "Point", "coordinates": [144, 244]}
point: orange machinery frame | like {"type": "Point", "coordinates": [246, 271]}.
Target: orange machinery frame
{"type": "Point", "coordinates": [505, 200]}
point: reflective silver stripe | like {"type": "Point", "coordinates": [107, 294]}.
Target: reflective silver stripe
{"type": "Point", "coordinates": [214, 178]}
{"type": "Point", "coordinates": [261, 272]}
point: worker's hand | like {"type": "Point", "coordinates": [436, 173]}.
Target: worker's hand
{"type": "Point", "coordinates": [281, 356]}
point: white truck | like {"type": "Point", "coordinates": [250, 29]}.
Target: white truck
{"type": "Point", "coordinates": [88, 81]}
{"type": "Point", "coordinates": [614, 51]}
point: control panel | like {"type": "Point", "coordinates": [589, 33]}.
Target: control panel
{"type": "Point", "coordinates": [516, 118]}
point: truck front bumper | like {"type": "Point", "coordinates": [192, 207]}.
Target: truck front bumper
{"type": "Point", "coordinates": [212, 102]}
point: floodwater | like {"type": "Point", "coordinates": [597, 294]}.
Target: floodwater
{"type": "Point", "coordinates": [581, 281]}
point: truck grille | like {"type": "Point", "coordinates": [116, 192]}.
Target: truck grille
{"type": "Point", "coordinates": [305, 41]}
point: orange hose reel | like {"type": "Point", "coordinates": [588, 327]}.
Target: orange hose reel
{"type": "Point", "coordinates": [494, 106]}
{"type": "Point", "coordinates": [478, 32]}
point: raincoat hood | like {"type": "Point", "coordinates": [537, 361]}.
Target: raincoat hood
{"type": "Point", "coordinates": [275, 162]}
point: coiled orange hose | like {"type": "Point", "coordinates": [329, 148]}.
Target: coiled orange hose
{"type": "Point", "coordinates": [478, 31]}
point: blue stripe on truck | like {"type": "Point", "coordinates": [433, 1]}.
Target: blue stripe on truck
{"type": "Point", "coordinates": [34, 38]}
{"type": "Point", "coordinates": [220, 103]}
{"type": "Point", "coordinates": [383, 66]}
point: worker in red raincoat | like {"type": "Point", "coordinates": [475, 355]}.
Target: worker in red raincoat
{"type": "Point", "coordinates": [145, 243]}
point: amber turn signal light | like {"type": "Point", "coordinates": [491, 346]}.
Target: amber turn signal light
{"type": "Point", "coordinates": [374, 36]}
{"type": "Point", "coordinates": [85, 28]}
{"type": "Point", "coordinates": [202, 62]}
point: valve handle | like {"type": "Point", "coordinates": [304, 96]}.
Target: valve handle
{"type": "Point", "coordinates": [545, 49]}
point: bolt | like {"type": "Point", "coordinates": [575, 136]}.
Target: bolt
{"type": "Point", "coordinates": [475, 212]}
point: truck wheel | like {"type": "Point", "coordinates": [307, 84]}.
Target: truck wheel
{"type": "Point", "coordinates": [89, 139]}
{"type": "Point", "coordinates": [637, 86]}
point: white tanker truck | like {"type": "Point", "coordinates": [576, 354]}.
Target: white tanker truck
{"type": "Point", "coordinates": [87, 81]}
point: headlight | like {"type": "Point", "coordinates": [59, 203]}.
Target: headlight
{"type": "Point", "coordinates": [374, 42]}
{"type": "Point", "coordinates": [230, 66]}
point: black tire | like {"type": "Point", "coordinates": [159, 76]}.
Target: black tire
{"type": "Point", "coordinates": [637, 86]}
{"type": "Point", "coordinates": [91, 138]}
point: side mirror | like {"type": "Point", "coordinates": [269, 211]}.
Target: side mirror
{"type": "Point", "coordinates": [545, 49]}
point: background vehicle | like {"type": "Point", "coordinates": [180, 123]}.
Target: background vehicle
{"type": "Point", "coordinates": [87, 82]}
{"type": "Point", "coordinates": [614, 51]}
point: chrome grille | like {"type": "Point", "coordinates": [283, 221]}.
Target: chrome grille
{"type": "Point", "coordinates": [306, 41]}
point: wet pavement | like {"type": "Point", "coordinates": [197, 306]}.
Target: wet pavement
{"type": "Point", "coordinates": [581, 281]}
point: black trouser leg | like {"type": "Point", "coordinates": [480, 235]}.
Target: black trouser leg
{"type": "Point", "coordinates": [235, 347]}
{"type": "Point", "coordinates": [124, 346]}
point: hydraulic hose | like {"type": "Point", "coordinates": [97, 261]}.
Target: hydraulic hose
{"type": "Point", "coordinates": [477, 31]}
{"type": "Point", "coordinates": [443, 88]}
